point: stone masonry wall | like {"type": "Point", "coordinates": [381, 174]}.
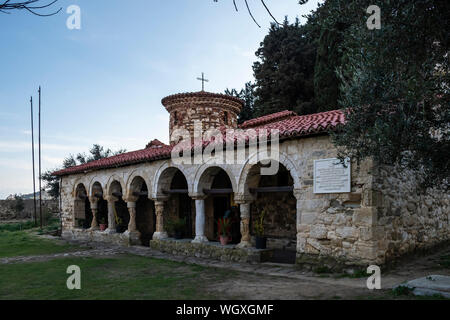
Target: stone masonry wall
{"type": "Point", "coordinates": [409, 218]}
{"type": "Point", "coordinates": [333, 229]}
{"type": "Point", "coordinates": [7, 211]}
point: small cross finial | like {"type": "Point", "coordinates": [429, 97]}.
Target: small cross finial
{"type": "Point", "coordinates": [203, 80]}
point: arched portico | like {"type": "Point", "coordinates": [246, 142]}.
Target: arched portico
{"type": "Point", "coordinates": [82, 207]}
{"type": "Point", "coordinates": [145, 219]}
{"type": "Point", "coordinates": [99, 205]}
{"type": "Point", "coordinates": [118, 215]}
{"type": "Point", "coordinates": [172, 202]}
{"type": "Point", "coordinates": [276, 196]}
{"type": "Point", "coordinates": [214, 195]}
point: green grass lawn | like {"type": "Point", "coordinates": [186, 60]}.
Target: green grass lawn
{"type": "Point", "coordinates": [117, 277]}
{"type": "Point", "coordinates": [24, 243]}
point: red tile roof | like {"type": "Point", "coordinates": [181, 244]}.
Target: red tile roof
{"type": "Point", "coordinates": [267, 119]}
{"type": "Point", "coordinates": [289, 124]}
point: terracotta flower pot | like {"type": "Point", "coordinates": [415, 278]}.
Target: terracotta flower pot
{"type": "Point", "coordinates": [223, 240]}
{"type": "Point", "coordinates": [103, 227]}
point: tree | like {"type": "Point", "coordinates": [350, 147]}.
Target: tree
{"type": "Point", "coordinates": [247, 95]}
{"type": "Point", "coordinates": [395, 88]}
{"type": "Point", "coordinates": [30, 6]}
{"type": "Point", "coordinates": [285, 70]}
{"type": "Point", "coordinates": [19, 205]}
{"type": "Point", "coordinates": [97, 152]}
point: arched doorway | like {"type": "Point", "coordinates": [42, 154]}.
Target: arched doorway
{"type": "Point", "coordinates": [145, 210]}
{"type": "Point", "coordinates": [274, 195]}
{"type": "Point", "coordinates": [219, 203]}
{"type": "Point", "coordinates": [173, 185]}
{"type": "Point", "coordinates": [102, 204]}
{"type": "Point", "coordinates": [82, 208]}
{"type": "Point", "coordinates": [121, 214]}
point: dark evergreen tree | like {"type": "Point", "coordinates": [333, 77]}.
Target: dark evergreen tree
{"type": "Point", "coordinates": [247, 95]}
{"type": "Point", "coordinates": [329, 24]}
{"type": "Point", "coordinates": [285, 70]}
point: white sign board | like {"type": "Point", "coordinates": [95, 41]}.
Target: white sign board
{"type": "Point", "coordinates": [331, 176]}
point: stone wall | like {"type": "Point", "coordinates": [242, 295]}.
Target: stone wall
{"type": "Point", "coordinates": [7, 211]}
{"type": "Point", "coordinates": [212, 250]}
{"type": "Point", "coordinates": [280, 220]}
{"type": "Point", "coordinates": [409, 218]}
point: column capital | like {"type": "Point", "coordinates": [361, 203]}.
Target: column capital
{"type": "Point", "coordinates": [160, 202]}
{"type": "Point", "coordinates": [131, 204]}
{"type": "Point", "coordinates": [298, 193]}
{"type": "Point", "coordinates": [198, 196]}
{"type": "Point", "coordinates": [93, 200]}
{"type": "Point", "coordinates": [159, 198]}
{"type": "Point", "coordinates": [111, 198]}
{"type": "Point", "coordinates": [243, 198]}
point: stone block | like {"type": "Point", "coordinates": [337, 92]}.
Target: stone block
{"type": "Point", "coordinates": [365, 217]}
{"type": "Point", "coordinates": [318, 232]}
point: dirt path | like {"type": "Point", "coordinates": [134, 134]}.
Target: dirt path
{"type": "Point", "coordinates": [271, 281]}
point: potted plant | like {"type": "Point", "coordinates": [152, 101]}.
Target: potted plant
{"type": "Point", "coordinates": [176, 226]}
{"type": "Point", "coordinates": [261, 240]}
{"type": "Point", "coordinates": [223, 228]}
{"type": "Point", "coordinates": [102, 223]}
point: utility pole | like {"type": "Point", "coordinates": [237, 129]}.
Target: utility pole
{"type": "Point", "coordinates": [32, 157]}
{"type": "Point", "coordinates": [40, 177]}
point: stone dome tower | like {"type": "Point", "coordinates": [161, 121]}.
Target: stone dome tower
{"type": "Point", "coordinates": [213, 110]}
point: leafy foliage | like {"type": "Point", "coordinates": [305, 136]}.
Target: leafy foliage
{"type": "Point", "coordinates": [19, 204]}
{"type": "Point", "coordinates": [258, 225]}
{"type": "Point", "coordinates": [395, 84]}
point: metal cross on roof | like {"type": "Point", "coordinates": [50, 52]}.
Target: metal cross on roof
{"type": "Point", "coordinates": [203, 80]}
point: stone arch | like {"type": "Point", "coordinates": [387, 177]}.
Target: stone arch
{"type": "Point", "coordinates": [78, 189]}
{"type": "Point", "coordinates": [250, 163]}
{"type": "Point", "coordinates": [109, 184]}
{"type": "Point", "coordinates": [95, 180]}
{"type": "Point", "coordinates": [77, 182]}
{"type": "Point", "coordinates": [205, 174]}
{"type": "Point", "coordinates": [135, 181]}
{"type": "Point", "coordinates": [96, 188]}
{"type": "Point", "coordinates": [163, 179]}
{"type": "Point", "coordinates": [82, 215]}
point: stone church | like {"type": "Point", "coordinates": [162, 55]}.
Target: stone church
{"type": "Point", "coordinates": [359, 214]}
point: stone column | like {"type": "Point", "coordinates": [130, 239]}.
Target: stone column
{"type": "Point", "coordinates": [94, 209]}
{"type": "Point", "coordinates": [132, 233]}
{"type": "Point", "coordinates": [111, 216]}
{"type": "Point", "coordinates": [131, 205]}
{"type": "Point", "coordinates": [245, 222]}
{"type": "Point", "coordinates": [159, 211]}
{"type": "Point", "coordinates": [200, 220]}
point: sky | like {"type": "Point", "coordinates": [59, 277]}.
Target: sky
{"type": "Point", "coordinates": [104, 82]}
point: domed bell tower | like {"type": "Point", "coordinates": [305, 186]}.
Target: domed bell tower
{"type": "Point", "coordinates": [212, 110]}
